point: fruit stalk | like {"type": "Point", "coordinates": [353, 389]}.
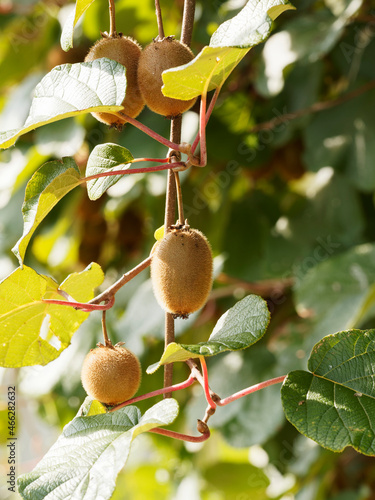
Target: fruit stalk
{"type": "Point", "coordinates": [112, 18]}
{"type": "Point", "coordinates": [159, 20]}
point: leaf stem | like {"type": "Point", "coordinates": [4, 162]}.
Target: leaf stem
{"type": "Point", "coordinates": [181, 437]}
{"type": "Point", "coordinates": [177, 387]}
{"type": "Point", "coordinates": [82, 306]}
{"type": "Point", "coordinates": [159, 20]}
{"type": "Point", "coordinates": [208, 115]}
{"type": "Point", "coordinates": [250, 390]}
{"type": "Point", "coordinates": [206, 387]}
{"type": "Point", "coordinates": [129, 171]}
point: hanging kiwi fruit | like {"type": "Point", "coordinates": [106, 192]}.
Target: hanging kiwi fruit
{"type": "Point", "coordinates": [158, 56]}
{"type": "Point", "coordinates": [125, 51]}
{"type": "Point", "coordinates": [111, 374]}
{"type": "Point", "coordinates": [181, 271]}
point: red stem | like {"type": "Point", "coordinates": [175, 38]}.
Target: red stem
{"type": "Point", "coordinates": [177, 387]}
{"type": "Point", "coordinates": [181, 437]}
{"type": "Point", "coordinates": [85, 307]}
{"type": "Point", "coordinates": [157, 168]}
{"type": "Point", "coordinates": [250, 390]}
{"type": "Point", "coordinates": [206, 387]}
{"type": "Point", "coordinates": [208, 114]}
{"type": "Point", "coordinates": [159, 160]}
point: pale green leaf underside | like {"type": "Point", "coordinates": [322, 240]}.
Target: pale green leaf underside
{"type": "Point", "coordinates": [228, 45]}
{"type": "Point", "coordinates": [32, 331]}
{"type": "Point", "coordinates": [106, 158]}
{"type": "Point", "coordinates": [240, 327]}
{"type": "Point", "coordinates": [70, 90]}
{"type": "Point", "coordinates": [68, 30]}
{"type": "Point", "coordinates": [48, 185]}
{"type": "Point", "coordinates": [335, 403]}
{"type": "Point", "coordinates": [85, 460]}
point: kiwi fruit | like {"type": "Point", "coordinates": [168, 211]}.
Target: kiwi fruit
{"type": "Point", "coordinates": [125, 51]}
{"type": "Point", "coordinates": [111, 374]}
{"type": "Point", "coordinates": [181, 271]}
{"type": "Point", "coordinates": [158, 56]}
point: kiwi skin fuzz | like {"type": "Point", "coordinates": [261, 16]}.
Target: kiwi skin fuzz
{"type": "Point", "coordinates": [156, 58]}
{"type": "Point", "coordinates": [111, 375]}
{"type": "Point", "coordinates": [125, 51]}
{"type": "Point", "coordinates": [181, 271]}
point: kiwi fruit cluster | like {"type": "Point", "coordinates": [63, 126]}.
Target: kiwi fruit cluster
{"type": "Point", "coordinates": [125, 51]}
{"type": "Point", "coordinates": [181, 271]}
{"type": "Point", "coordinates": [111, 374]}
{"type": "Point", "coordinates": [158, 56]}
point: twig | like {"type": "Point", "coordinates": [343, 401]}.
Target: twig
{"type": "Point", "coordinates": [112, 18]}
{"type": "Point", "coordinates": [181, 216]}
{"type": "Point", "coordinates": [111, 291]}
{"type": "Point", "coordinates": [318, 106]}
{"type": "Point", "coordinates": [159, 20]}
{"type": "Point", "coordinates": [188, 22]}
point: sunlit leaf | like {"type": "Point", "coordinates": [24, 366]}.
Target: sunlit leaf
{"type": "Point", "coordinates": [34, 332]}
{"type": "Point", "coordinates": [86, 459]}
{"type": "Point", "coordinates": [70, 90]}
{"type": "Point", "coordinates": [68, 30]}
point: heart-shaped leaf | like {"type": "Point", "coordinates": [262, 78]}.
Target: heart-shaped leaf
{"type": "Point", "coordinates": [85, 460]}
{"type": "Point", "coordinates": [334, 404]}
{"type": "Point", "coordinates": [34, 332]}
{"type": "Point", "coordinates": [70, 90]}
{"type": "Point", "coordinates": [228, 45]}
{"type": "Point", "coordinates": [240, 327]}
{"type": "Point", "coordinates": [106, 158]}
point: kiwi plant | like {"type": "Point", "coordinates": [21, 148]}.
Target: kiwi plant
{"type": "Point", "coordinates": [125, 51]}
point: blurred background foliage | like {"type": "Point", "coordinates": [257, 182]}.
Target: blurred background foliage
{"type": "Point", "coordinates": [286, 200]}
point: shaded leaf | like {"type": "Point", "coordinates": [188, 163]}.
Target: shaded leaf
{"type": "Point", "coordinates": [240, 327]}
{"type": "Point", "coordinates": [106, 158]}
{"type": "Point", "coordinates": [35, 332]}
{"type": "Point", "coordinates": [48, 185]}
{"type": "Point", "coordinates": [334, 404]}
{"type": "Point", "coordinates": [85, 460]}
{"type": "Point", "coordinates": [70, 90]}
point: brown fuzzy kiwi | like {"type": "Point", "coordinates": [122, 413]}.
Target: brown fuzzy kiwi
{"type": "Point", "coordinates": [127, 52]}
{"type": "Point", "coordinates": [111, 374]}
{"type": "Point", "coordinates": [156, 58]}
{"type": "Point", "coordinates": [181, 271]}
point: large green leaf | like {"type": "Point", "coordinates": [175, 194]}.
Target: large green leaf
{"type": "Point", "coordinates": [34, 332]}
{"type": "Point", "coordinates": [334, 404]}
{"type": "Point", "coordinates": [240, 327]}
{"type": "Point", "coordinates": [45, 189]}
{"type": "Point", "coordinates": [228, 45]}
{"type": "Point", "coordinates": [70, 90]}
{"type": "Point", "coordinates": [86, 459]}
{"type": "Point", "coordinates": [106, 158]}
{"type": "Point", "coordinates": [68, 30]}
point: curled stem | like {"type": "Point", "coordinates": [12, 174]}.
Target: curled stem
{"type": "Point", "coordinates": [250, 390]}
{"type": "Point", "coordinates": [181, 437]}
{"type": "Point", "coordinates": [177, 387]}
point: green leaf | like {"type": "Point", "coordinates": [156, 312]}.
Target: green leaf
{"type": "Point", "coordinates": [35, 332]}
{"type": "Point", "coordinates": [334, 404]}
{"type": "Point", "coordinates": [87, 457]}
{"type": "Point", "coordinates": [48, 185]}
{"type": "Point", "coordinates": [68, 30]}
{"type": "Point", "coordinates": [106, 158]}
{"type": "Point", "coordinates": [228, 45]}
{"type": "Point", "coordinates": [251, 26]}
{"type": "Point", "coordinates": [70, 90]}
{"type": "Point", "coordinates": [240, 327]}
